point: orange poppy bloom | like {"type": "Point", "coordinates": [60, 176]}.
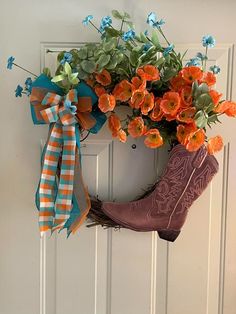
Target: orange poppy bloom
{"type": "Point", "coordinates": [153, 139]}
{"type": "Point", "coordinates": [186, 115]}
{"type": "Point", "coordinates": [123, 91]}
{"type": "Point", "coordinates": [186, 96]}
{"type": "Point", "coordinates": [208, 78]}
{"type": "Point", "coordinates": [104, 78]}
{"type": "Point", "coordinates": [215, 96]}
{"type": "Point", "coordinates": [106, 102]}
{"type": "Point", "coordinates": [195, 140]}
{"type": "Point", "coordinates": [122, 136]}
{"type": "Point", "coordinates": [114, 124]}
{"type": "Point", "coordinates": [227, 107]}
{"type": "Point", "coordinates": [99, 90]}
{"type": "Point", "coordinates": [137, 99]}
{"type": "Point", "coordinates": [136, 127]}
{"type": "Point", "coordinates": [191, 74]}
{"type": "Point", "coordinates": [184, 131]}
{"type": "Point", "coordinates": [170, 103]}
{"type": "Point", "coordinates": [177, 83]}
{"type": "Point", "coordinates": [215, 144]}
{"type": "Point", "coordinates": [148, 103]}
{"type": "Point", "coordinates": [149, 73]}
{"type": "Point", "coordinates": [157, 113]}
{"type": "Point", "coordinates": [138, 83]}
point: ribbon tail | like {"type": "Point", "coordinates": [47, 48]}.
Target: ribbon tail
{"type": "Point", "coordinates": [63, 204]}
{"type": "Point", "coordinates": [47, 186]}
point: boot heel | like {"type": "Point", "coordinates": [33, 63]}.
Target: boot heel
{"type": "Point", "coordinates": [168, 235]}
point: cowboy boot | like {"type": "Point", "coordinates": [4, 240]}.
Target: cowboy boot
{"type": "Point", "coordinates": [186, 176]}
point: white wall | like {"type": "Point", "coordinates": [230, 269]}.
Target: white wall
{"type": "Point", "coordinates": [23, 25]}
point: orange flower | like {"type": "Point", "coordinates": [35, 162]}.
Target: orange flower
{"type": "Point", "coordinates": [227, 107]}
{"type": "Point", "coordinates": [123, 91]}
{"type": "Point", "coordinates": [136, 127]}
{"type": "Point", "coordinates": [208, 78]}
{"type": "Point", "coordinates": [191, 74]}
{"type": "Point", "coordinates": [90, 82]}
{"type": "Point", "coordinates": [137, 99]}
{"type": "Point", "coordinates": [139, 83]}
{"type": "Point", "coordinates": [184, 131]}
{"type": "Point", "coordinates": [114, 124]}
{"type": "Point", "coordinates": [195, 140]}
{"type": "Point", "coordinates": [149, 73]}
{"type": "Point", "coordinates": [106, 102]}
{"type": "Point", "coordinates": [104, 78]}
{"type": "Point", "coordinates": [177, 83]}
{"type": "Point", "coordinates": [170, 103]}
{"type": "Point", "coordinates": [122, 136]}
{"type": "Point", "coordinates": [215, 96]}
{"type": "Point", "coordinates": [157, 113]}
{"type": "Point", "coordinates": [186, 115]}
{"type": "Point", "coordinates": [99, 90]}
{"type": "Point", "coordinates": [215, 144]}
{"type": "Point", "coordinates": [148, 103]}
{"type": "Point", "coordinates": [153, 139]}
{"type": "Point", "coordinates": [186, 96]}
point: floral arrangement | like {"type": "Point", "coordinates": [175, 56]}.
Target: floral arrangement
{"type": "Point", "coordinates": [169, 101]}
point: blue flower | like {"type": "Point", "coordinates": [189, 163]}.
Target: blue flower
{"type": "Point", "coordinates": [128, 35]}
{"type": "Point", "coordinates": [10, 62]}
{"type": "Point", "coordinates": [67, 57]}
{"type": "Point", "coordinates": [105, 22]}
{"type": "Point", "coordinates": [201, 56]}
{"type": "Point", "coordinates": [151, 18]}
{"type": "Point", "coordinates": [18, 91]}
{"type": "Point", "coordinates": [28, 86]}
{"type": "Point", "coordinates": [70, 107]}
{"type": "Point", "coordinates": [159, 23]}
{"type": "Point", "coordinates": [87, 19]}
{"type": "Point", "coordinates": [193, 62]}
{"type": "Point", "coordinates": [146, 32]}
{"type": "Point", "coordinates": [215, 69]}
{"type": "Point", "coordinates": [168, 49]}
{"type": "Point", "coordinates": [208, 41]}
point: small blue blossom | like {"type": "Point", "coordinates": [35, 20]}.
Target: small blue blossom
{"type": "Point", "coordinates": [128, 35]}
{"type": "Point", "coordinates": [193, 62]}
{"type": "Point", "coordinates": [10, 62]}
{"type": "Point", "coordinates": [146, 32]}
{"type": "Point", "coordinates": [18, 91]}
{"type": "Point", "coordinates": [159, 23]}
{"type": "Point", "coordinates": [208, 41]}
{"type": "Point", "coordinates": [87, 19]}
{"type": "Point", "coordinates": [105, 22]}
{"type": "Point", "coordinates": [67, 57]}
{"type": "Point", "coordinates": [151, 18]}
{"type": "Point", "coordinates": [201, 56]}
{"type": "Point", "coordinates": [168, 49]}
{"type": "Point", "coordinates": [215, 69]}
{"type": "Point", "coordinates": [28, 86]}
{"type": "Point", "coordinates": [70, 107]}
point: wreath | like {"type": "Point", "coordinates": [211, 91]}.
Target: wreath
{"type": "Point", "coordinates": [168, 102]}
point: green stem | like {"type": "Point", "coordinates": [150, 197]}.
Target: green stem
{"type": "Point", "coordinates": [205, 61]}
{"type": "Point", "coordinates": [25, 70]}
{"type": "Point", "coordinates": [95, 27]}
{"type": "Point", "coordinates": [121, 29]}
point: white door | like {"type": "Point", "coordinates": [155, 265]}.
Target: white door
{"type": "Point", "coordinates": [103, 271]}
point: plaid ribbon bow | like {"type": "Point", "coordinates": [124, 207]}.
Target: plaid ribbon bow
{"type": "Point", "coordinates": [62, 198]}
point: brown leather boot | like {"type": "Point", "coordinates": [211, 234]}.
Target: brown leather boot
{"type": "Point", "coordinates": [186, 176]}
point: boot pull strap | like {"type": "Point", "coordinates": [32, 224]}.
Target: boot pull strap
{"type": "Point", "coordinates": [199, 157]}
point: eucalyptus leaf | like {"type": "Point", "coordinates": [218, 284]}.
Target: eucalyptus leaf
{"type": "Point", "coordinates": [203, 101]}
{"type": "Point", "coordinates": [201, 119]}
{"type": "Point", "coordinates": [130, 24]}
{"type": "Point", "coordinates": [109, 45]}
{"type": "Point", "coordinates": [103, 60]}
{"type": "Point", "coordinates": [126, 15]}
{"type": "Point", "coordinates": [81, 74]}
{"type": "Point", "coordinates": [112, 32]}
{"type": "Point", "coordinates": [83, 53]}
{"type": "Point", "coordinates": [88, 66]}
